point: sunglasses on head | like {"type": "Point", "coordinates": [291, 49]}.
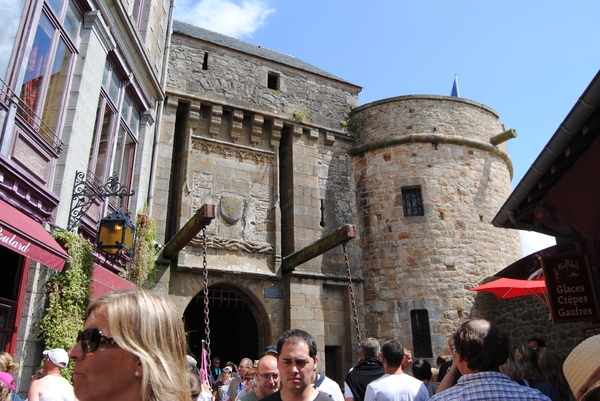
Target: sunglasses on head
{"type": "Point", "coordinates": [92, 338]}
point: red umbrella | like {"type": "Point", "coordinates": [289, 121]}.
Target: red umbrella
{"type": "Point", "coordinates": [504, 288]}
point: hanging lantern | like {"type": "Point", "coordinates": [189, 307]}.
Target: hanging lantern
{"type": "Point", "coordinates": [116, 234]}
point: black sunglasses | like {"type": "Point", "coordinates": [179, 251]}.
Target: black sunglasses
{"type": "Point", "coordinates": [92, 338]}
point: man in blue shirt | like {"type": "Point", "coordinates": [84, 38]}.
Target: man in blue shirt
{"type": "Point", "coordinates": [480, 348]}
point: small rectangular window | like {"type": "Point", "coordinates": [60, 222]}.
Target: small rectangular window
{"type": "Point", "coordinates": [205, 61]}
{"type": "Point", "coordinates": [273, 81]}
{"type": "Point", "coordinates": [421, 336]}
{"type": "Point", "coordinates": [412, 203]}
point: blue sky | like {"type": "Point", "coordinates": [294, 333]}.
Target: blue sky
{"type": "Point", "coordinates": [529, 60]}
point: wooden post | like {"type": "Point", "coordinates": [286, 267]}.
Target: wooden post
{"type": "Point", "coordinates": [201, 219]}
{"type": "Point", "coordinates": [338, 237]}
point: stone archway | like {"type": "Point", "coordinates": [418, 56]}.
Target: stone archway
{"type": "Point", "coordinates": [237, 328]}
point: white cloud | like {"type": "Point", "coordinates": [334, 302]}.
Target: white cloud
{"type": "Point", "coordinates": [239, 19]}
{"type": "Point", "coordinates": [532, 242]}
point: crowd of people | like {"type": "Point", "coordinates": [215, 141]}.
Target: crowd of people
{"type": "Point", "coordinates": [133, 347]}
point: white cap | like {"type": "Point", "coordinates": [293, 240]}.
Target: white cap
{"type": "Point", "coordinates": [58, 356]}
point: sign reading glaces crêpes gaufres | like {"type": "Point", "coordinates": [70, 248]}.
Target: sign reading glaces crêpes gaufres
{"type": "Point", "coordinates": [571, 291]}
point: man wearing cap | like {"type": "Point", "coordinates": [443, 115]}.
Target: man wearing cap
{"type": "Point", "coordinates": [52, 387]}
{"type": "Point", "coordinates": [271, 350]}
{"type": "Point", "coordinates": [221, 386]}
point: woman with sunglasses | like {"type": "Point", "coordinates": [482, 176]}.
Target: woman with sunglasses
{"type": "Point", "coordinates": [248, 381]}
{"type": "Point", "coordinates": [132, 347]}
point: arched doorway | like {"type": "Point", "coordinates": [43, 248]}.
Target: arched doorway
{"type": "Point", "coordinates": [234, 333]}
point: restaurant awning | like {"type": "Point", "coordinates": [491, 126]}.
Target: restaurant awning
{"type": "Point", "coordinates": [104, 281]}
{"type": "Point", "coordinates": [27, 237]}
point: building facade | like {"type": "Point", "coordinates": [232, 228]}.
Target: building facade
{"type": "Point", "coordinates": [82, 83]}
{"type": "Point", "coordinates": [286, 156]}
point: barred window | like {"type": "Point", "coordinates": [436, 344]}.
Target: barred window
{"type": "Point", "coordinates": [412, 203]}
{"type": "Point", "coordinates": [421, 336]}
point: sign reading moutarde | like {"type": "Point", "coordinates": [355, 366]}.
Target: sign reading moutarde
{"type": "Point", "coordinates": [571, 291]}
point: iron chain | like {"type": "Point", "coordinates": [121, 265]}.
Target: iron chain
{"type": "Point", "coordinates": [206, 309]}
{"type": "Point", "coordinates": [352, 299]}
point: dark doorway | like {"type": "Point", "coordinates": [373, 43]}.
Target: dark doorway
{"type": "Point", "coordinates": [12, 269]}
{"type": "Point", "coordinates": [233, 330]}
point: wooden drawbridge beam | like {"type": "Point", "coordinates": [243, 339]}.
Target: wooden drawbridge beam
{"type": "Point", "coordinates": [338, 237]}
{"type": "Point", "coordinates": [199, 220]}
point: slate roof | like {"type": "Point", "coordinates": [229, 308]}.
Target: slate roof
{"type": "Point", "coordinates": [249, 48]}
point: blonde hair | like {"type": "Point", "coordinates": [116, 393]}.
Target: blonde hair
{"type": "Point", "coordinates": [512, 368]}
{"type": "Point", "coordinates": [7, 364]}
{"type": "Point", "coordinates": [148, 325]}
{"type": "Point", "coordinates": [4, 392]}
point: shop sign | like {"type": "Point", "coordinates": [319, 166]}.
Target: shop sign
{"type": "Point", "coordinates": [571, 291]}
{"type": "Point", "coordinates": [590, 330]}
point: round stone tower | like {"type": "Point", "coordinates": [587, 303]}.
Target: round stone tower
{"type": "Point", "coordinates": [431, 173]}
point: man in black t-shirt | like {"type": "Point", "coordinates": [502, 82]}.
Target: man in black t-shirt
{"type": "Point", "coordinates": [369, 368]}
{"type": "Point", "coordinates": [297, 360]}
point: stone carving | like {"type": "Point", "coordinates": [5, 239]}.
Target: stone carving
{"type": "Point", "coordinates": [257, 123]}
{"type": "Point", "coordinates": [276, 127]}
{"type": "Point", "coordinates": [237, 119]}
{"type": "Point", "coordinates": [231, 208]}
{"type": "Point", "coordinates": [242, 155]}
{"type": "Point", "coordinates": [237, 245]}
{"type": "Point", "coordinates": [215, 119]}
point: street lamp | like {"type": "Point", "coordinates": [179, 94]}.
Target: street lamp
{"type": "Point", "coordinates": [116, 234]}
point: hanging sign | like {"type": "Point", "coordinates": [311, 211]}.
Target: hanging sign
{"type": "Point", "coordinates": [571, 292]}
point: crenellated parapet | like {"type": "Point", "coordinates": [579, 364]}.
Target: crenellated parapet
{"type": "Point", "coordinates": [231, 124]}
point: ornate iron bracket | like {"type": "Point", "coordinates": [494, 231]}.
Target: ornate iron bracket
{"type": "Point", "coordinates": [86, 192]}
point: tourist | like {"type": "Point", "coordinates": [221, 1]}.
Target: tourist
{"type": "Point", "coordinates": [132, 348]}
{"type": "Point", "coordinates": [53, 386]}
{"type": "Point", "coordinates": [527, 356]}
{"type": "Point", "coordinates": [297, 360]}
{"type": "Point", "coordinates": [369, 368]}
{"type": "Point", "coordinates": [266, 377]}
{"type": "Point", "coordinates": [480, 348]}
{"type": "Point", "coordinates": [551, 366]}
{"type": "Point", "coordinates": [395, 384]}
{"type": "Point", "coordinates": [422, 371]}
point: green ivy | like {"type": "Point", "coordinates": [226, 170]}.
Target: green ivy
{"type": "Point", "coordinates": [68, 294]}
{"type": "Point", "coordinates": [143, 268]}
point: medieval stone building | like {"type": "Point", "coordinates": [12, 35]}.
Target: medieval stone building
{"type": "Point", "coordinates": [286, 156]}
{"type": "Point", "coordinates": [282, 150]}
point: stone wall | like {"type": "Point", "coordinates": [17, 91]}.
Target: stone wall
{"type": "Point", "coordinates": [240, 79]}
{"type": "Point", "coordinates": [428, 262]}
{"type": "Point", "coordinates": [279, 182]}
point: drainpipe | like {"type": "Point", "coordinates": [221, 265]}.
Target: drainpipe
{"type": "Point", "coordinates": [159, 110]}
{"type": "Point", "coordinates": [529, 227]}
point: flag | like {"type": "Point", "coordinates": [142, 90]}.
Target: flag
{"type": "Point", "coordinates": [455, 92]}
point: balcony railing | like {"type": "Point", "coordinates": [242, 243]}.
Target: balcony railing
{"type": "Point", "coordinates": [29, 117]}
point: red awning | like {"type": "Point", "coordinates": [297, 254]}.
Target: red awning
{"type": "Point", "coordinates": [104, 281]}
{"type": "Point", "coordinates": [24, 235]}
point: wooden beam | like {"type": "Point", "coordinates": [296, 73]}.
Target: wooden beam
{"type": "Point", "coordinates": [338, 237]}
{"type": "Point", "coordinates": [201, 219]}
